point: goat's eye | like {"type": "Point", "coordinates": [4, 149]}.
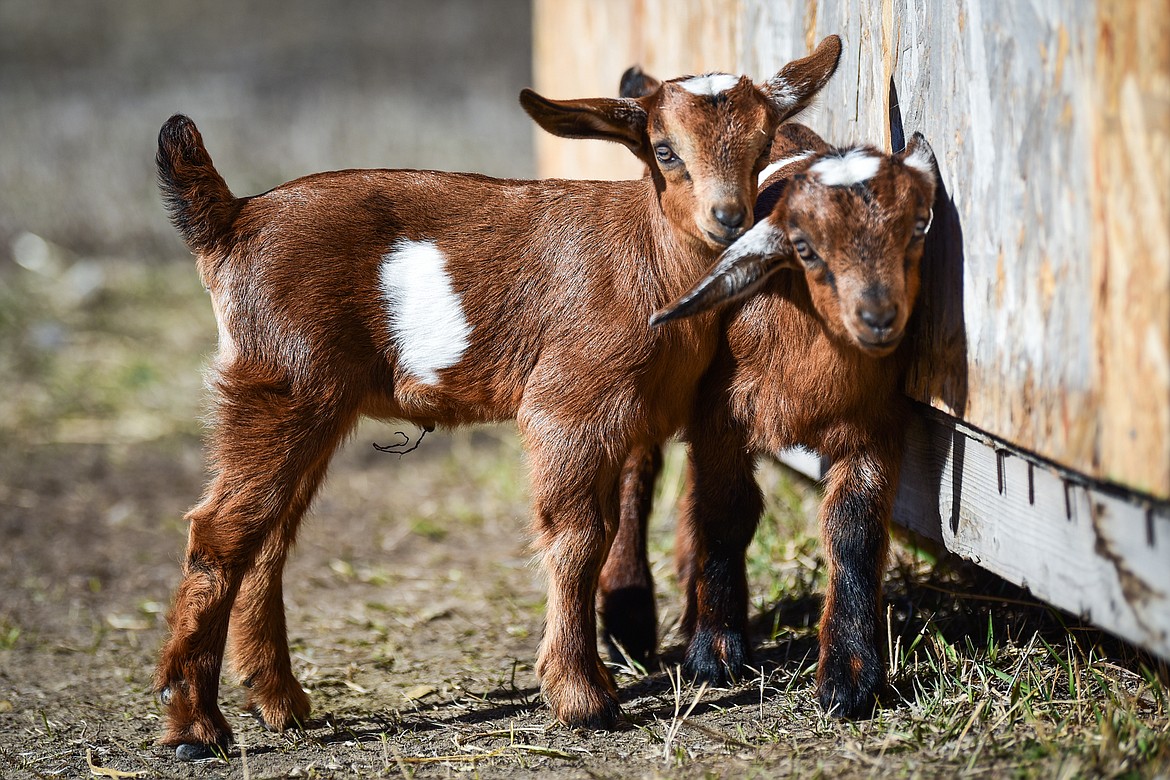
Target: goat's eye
{"type": "Point", "coordinates": [665, 154]}
{"type": "Point", "coordinates": [812, 261]}
{"type": "Point", "coordinates": [922, 224]}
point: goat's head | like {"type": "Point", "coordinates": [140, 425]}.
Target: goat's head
{"type": "Point", "coordinates": [853, 222]}
{"type": "Point", "coordinates": [703, 138]}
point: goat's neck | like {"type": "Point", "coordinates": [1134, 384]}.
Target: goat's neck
{"type": "Point", "coordinates": [674, 258]}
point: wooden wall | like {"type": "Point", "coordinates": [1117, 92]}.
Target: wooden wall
{"type": "Point", "coordinates": [1047, 304]}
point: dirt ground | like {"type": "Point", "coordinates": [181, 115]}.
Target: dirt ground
{"type": "Point", "coordinates": [414, 605]}
{"type": "Point", "coordinates": [414, 615]}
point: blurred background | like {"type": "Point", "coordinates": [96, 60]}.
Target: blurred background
{"type": "Point", "coordinates": [279, 89]}
{"type": "Point", "coordinates": [102, 324]}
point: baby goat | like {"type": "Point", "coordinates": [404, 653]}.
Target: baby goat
{"type": "Point", "coordinates": [443, 299]}
{"type": "Point", "coordinates": [814, 356]}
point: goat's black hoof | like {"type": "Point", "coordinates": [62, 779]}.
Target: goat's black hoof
{"type": "Point", "coordinates": [606, 717]}
{"type": "Point", "coordinates": [717, 659]}
{"type": "Point", "coordinates": [193, 751]}
{"type": "Point", "coordinates": [847, 704]}
{"type": "Point", "coordinates": [610, 718]}
{"type": "Point", "coordinates": [255, 712]}
{"type": "Point", "coordinates": [849, 687]}
{"type": "Point", "coordinates": [629, 619]}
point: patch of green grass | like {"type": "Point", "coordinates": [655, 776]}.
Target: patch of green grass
{"type": "Point", "coordinates": [9, 635]}
{"type": "Point", "coordinates": [984, 680]}
{"type": "Point", "coordinates": [428, 529]}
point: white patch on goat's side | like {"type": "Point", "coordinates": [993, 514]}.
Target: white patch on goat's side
{"type": "Point", "coordinates": [853, 167]}
{"type": "Point", "coordinates": [426, 315]}
{"type": "Point", "coordinates": [773, 167]}
{"type": "Point", "coordinates": [921, 161]}
{"type": "Point", "coordinates": [709, 84]}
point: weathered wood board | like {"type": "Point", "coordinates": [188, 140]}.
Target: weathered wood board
{"type": "Point", "coordinates": [1102, 555]}
{"type": "Point", "coordinates": [1047, 303]}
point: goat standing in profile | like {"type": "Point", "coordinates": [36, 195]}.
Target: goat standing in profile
{"type": "Point", "coordinates": [444, 299]}
{"type": "Point", "coordinates": [813, 355]}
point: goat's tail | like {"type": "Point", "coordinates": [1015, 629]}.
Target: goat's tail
{"type": "Point", "coordinates": [201, 206]}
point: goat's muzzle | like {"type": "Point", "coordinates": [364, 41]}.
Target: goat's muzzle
{"type": "Point", "coordinates": [725, 223]}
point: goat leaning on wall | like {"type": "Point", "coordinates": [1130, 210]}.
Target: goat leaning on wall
{"type": "Point", "coordinates": [813, 356]}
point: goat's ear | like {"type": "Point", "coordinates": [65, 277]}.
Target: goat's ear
{"type": "Point", "coordinates": [794, 87]}
{"type": "Point", "coordinates": [745, 265]}
{"type": "Point", "coordinates": [919, 156]}
{"type": "Point", "coordinates": [610, 119]}
{"type": "Point", "coordinates": [636, 83]}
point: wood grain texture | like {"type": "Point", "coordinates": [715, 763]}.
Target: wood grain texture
{"type": "Point", "coordinates": [1131, 240]}
{"type": "Point", "coordinates": [1046, 311]}
{"type": "Point", "coordinates": [582, 48]}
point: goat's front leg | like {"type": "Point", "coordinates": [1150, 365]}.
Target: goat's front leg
{"type": "Point", "coordinates": [629, 617]}
{"type": "Point", "coordinates": [575, 512]}
{"type": "Point", "coordinates": [855, 537]}
{"type": "Point", "coordinates": [716, 524]}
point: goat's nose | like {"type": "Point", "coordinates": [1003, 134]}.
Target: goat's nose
{"type": "Point", "coordinates": [729, 215]}
{"type": "Point", "coordinates": [878, 316]}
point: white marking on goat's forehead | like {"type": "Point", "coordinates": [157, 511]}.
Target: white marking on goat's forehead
{"type": "Point", "coordinates": [920, 160]}
{"type": "Point", "coordinates": [709, 83]}
{"type": "Point", "coordinates": [426, 316]}
{"type": "Point", "coordinates": [844, 170]}
{"type": "Point", "coordinates": [779, 164]}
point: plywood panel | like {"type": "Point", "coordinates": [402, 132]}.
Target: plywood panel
{"type": "Point", "coordinates": [1047, 300]}
{"type": "Point", "coordinates": [1099, 555]}
{"type": "Point", "coordinates": [1130, 195]}
{"type": "Point", "coordinates": [582, 48]}
{"type": "Point", "coordinates": [572, 41]}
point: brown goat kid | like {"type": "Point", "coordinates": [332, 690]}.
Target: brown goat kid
{"type": "Point", "coordinates": [444, 299]}
{"type": "Point", "coordinates": [815, 357]}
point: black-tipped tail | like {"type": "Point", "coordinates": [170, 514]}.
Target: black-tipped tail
{"type": "Point", "coordinates": [201, 206]}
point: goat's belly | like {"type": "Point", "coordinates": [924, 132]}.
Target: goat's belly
{"type": "Point", "coordinates": [794, 424]}
{"type": "Point", "coordinates": [476, 389]}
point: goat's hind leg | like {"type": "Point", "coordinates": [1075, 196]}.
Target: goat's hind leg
{"type": "Point", "coordinates": [264, 445]}
{"type": "Point", "coordinates": [716, 525]}
{"type": "Point", "coordinates": [626, 597]}
{"type": "Point", "coordinates": [258, 640]}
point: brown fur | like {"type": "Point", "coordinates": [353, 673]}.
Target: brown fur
{"type": "Point", "coordinates": [557, 280]}
{"type": "Point", "coordinates": [797, 367]}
